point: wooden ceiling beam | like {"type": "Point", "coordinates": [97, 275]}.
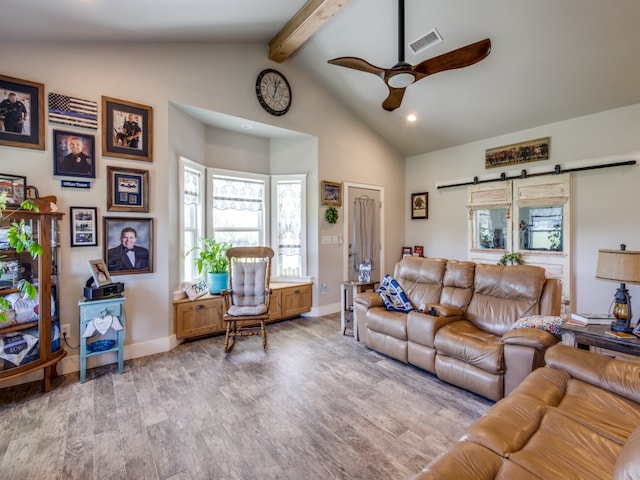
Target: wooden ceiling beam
{"type": "Point", "coordinates": [313, 15]}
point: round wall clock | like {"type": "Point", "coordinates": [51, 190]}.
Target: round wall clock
{"type": "Point", "coordinates": [273, 91]}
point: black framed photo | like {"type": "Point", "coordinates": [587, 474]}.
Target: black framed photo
{"type": "Point", "coordinates": [14, 187]}
{"type": "Point", "coordinates": [100, 273]}
{"type": "Point", "coordinates": [21, 113]}
{"type": "Point", "coordinates": [84, 226]}
{"type": "Point", "coordinates": [75, 154]}
{"type": "Point", "coordinates": [127, 190]}
{"type": "Point", "coordinates": [331, 193]}
{"type": "Point", "coordinates": [127, 130]}
{"type": "Point", "coordinates": [128, 245]}
{"type": "Point", "coordinates": [420, 205]}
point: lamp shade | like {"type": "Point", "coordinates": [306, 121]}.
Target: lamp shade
{"type": "Point", "coordinates": [621, 266]}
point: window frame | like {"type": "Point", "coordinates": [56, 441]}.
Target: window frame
{"type": "Point", "coordinates": [185, 163]}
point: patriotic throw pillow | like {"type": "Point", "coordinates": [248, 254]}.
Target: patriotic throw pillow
{"type": "Point", "coordinates": [393, 295]}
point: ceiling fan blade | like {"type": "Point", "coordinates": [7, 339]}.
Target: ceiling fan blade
{"type": "Point", "coordinates": [358, 64]}
{"type": "Point", "coordinates": [394, 99]}
{"type": "Point", "coordinates": [462, 57]}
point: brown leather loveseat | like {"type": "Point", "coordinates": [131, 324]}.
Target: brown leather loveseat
{"type": "Point", "coordinates": [578, 417]}
{"type": "Point", "coordinates": [467, 339]}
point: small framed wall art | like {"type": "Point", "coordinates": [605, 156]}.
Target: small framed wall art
{"type": "Point", "coordinates": [420, 205]}
{"type": "Point", "coordinates": [15, 187]}
{"type": "Point", "coordinates": [74, 155]}
{"type": "Point", "coordinates": [127, 130]}
{"type": "Point", "coordinates": [84, 226]}
{"type": "Point", "coordinates": [331, 193]}
{"type": "Point", "coordinates": [21, 113]}
{"type": "Point", "coordinates": [127, 190]}
{"type": "Point", "coordinates": [100, 273]}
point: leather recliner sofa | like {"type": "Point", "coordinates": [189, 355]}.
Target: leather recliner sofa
{"type": "Point", "coordinates": [464, 336]}
{"type": "Point", "coordinates": [578, 417]}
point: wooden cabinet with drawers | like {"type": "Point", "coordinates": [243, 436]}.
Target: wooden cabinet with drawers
{"type": "Point", "coordinates": [203, 316]}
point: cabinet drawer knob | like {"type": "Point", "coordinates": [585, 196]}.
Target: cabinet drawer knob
{"type": "Point", "coordinates": [296, 291]}
{"type": "Point", "coordinates": [199, 307]}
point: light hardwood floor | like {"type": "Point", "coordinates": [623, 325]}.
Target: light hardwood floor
{"type": "Point", "coordinates": [316, 405]}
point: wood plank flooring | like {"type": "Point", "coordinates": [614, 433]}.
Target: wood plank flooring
{"type": "Point", "coordinates": [316, 405]}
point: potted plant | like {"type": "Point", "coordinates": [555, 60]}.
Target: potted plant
{"type": "Point", "coordinates": [212, 259]}
{"type": "Point", "coordinates": [20, 238]}
{"type": "Point", "coordinates": [513, 258]}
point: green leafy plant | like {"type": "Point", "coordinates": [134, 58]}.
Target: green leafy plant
{"type": "Point", "coordinates": [20, 238]}
{"type": "Point", "coordinates": [513, 258]}
{"type": "Point", "coordinates": [331, 215]}
{"type": "Point", "coordinates": [554, 237]}
{"type": "Point", "coordinates": [212, 256]}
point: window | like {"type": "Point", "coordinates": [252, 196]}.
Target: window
{"type": "Point", "coordinates": [192, 215]}
{"type": "Point", "coordinates": [541, 228]}
{"type": "Point", "coordinates": [238, 207]}
{"type": "Point", "coordinates": [289, 243]}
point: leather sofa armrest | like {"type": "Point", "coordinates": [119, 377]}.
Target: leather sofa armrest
{"type": "Point", "coordinates": [444, 310]}
{"type": "Point", "coordinates": [530, 337]}
{"type": "Point", "coordinates": [369, 299]}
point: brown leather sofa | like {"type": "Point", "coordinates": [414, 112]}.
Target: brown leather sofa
{"type": "Point", "coordinates": [467, 340]}
{"type": "Point", "coordinates": [578, 417]}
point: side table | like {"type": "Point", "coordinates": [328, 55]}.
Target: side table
{"type": "Point", "coordinates": [594, 338]}
{"type": "Point", "coordinates": [356, 288]}
{"type": "Point", "coordinates": [97, 318]}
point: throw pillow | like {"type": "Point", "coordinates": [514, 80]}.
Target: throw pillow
{"type": "Point", "coordinates": [393, 295]}
{"type": "Point", "coordinates": [547, 323]}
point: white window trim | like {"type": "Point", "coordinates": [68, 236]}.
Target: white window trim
{"type": "Point", "coordinates": [185, 162]}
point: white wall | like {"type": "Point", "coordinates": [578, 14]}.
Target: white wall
{"type": "Point", "coordinates": [215, 77]}
{"type": "Point", "coordinates": [604, 202]}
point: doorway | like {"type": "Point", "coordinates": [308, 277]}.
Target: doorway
{"type": "Point", "coordinates": [363, 230]}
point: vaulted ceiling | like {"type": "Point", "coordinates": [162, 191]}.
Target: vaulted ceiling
{"type": "Point", "coordinates": [550, 60]}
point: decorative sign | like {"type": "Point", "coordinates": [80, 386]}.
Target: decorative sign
{"type": "Point", "coordinates": [74, 184]}
{"type": "Point", "coordinates": [195, 288]}
{"type": "Point", "coordinates": [514, 154]}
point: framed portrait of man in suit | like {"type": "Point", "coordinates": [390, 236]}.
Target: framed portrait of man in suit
{"type": "Point", "coordinates": [128, 245]}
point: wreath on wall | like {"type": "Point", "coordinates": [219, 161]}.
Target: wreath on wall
{"type": "Point", "coordinates": [331, 215]}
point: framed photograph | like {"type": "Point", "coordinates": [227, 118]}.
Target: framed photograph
{"type": "Point", "coordinates": [127, 130]}
{"type": "Point", "coordinates": [75, 154]}
{"type": "Point", "coordinates": [128, 245]}
{"type": "Point", "coordinates": [420, 205]}
{"type": "Point", "coordinates": [84, 226]}
{"type": "Point", "coordinates": [127, 190]}
{"type": "Point", "coordinates": [406, 252]}
{"type": "Point", "coordinates": [331, 193]}
{"type": "Point", "coordinates": [418, 251]}
{"type": "Point", "coordinates": [516, 153]}
{"type": "Point", "coordinates": [15, 187]}
{"type": "Point", "coordinates": [100, 273]}
{"type": "Point", "coordinates": [21, 113]}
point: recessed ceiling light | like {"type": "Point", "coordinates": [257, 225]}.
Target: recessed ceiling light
{"type": "Point", "coordinates": [411, 117]}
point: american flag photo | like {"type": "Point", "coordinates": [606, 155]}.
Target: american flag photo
{"type": "Point", "coordinates": [73, 111]}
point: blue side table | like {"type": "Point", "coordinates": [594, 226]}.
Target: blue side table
{"type": "Point", "coordinates": [97, 319]}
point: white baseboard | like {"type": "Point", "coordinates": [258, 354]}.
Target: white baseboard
{"type": "Point", "coordinates": [324, 310]}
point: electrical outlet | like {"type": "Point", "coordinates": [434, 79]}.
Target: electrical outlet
{"type": "Point", "coordinates": [323, 289]}
{"type": "Point", "coordinates": [64, 330]}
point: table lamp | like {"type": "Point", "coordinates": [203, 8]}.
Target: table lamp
{"type": "Point", "coordinates": [620, 266]}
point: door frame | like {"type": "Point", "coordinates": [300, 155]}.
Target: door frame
{"type": "Point", "coordinates": [347, 223]}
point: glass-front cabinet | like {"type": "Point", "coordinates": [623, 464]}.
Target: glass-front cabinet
{"type": "Point", "coordinates": [30, 337]}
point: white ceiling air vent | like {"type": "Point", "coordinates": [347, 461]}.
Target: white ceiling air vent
{"type": "Point", "coordinates": [425, 41]}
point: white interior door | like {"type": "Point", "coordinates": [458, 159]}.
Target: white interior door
{"type": "Point", "coordinates": [363, 232]}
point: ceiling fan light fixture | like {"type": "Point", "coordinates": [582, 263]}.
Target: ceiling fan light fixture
{"type": "Point", "coordinates": [401, 80]}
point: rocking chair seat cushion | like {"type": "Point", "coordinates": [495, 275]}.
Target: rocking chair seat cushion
{"type": "Point", "coordinates": [244, 310]}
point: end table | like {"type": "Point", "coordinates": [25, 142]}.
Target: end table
{"type": "Point", "coordinates": [356, 288]}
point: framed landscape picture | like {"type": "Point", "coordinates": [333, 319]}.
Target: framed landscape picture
{"type": "Point", "coordinates": [331, 193]}
{"type": "Point", "coordinates": [127, 130]}
{"type": "Point", "coordinates": [21, 113]}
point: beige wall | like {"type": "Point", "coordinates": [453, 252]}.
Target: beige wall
{"type": "Point", "coordinates": [604, 202]}
{"type": "Point", "coordinates": [215, 77]}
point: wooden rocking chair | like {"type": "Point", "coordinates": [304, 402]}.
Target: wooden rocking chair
{"type": "Point", "coordinates": [247, 301]}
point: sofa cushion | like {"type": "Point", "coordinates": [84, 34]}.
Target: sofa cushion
{"type": "Point", "coordinates": [388, 322]}
{"type": "Point", "coordinates": [458, 284]}
{"type": "Point", "coordinates": [547, 323]}
{"type": "Point", "coordinates": [503, 294]}
{"type": "Point", "coordinates": [464, 341]}
{"type": "Point", "coordinates": [628, 463]}
{"type": "Point", "coordinates": [393, 295]}
{"type": "Point", "coordinates": [421, 278]}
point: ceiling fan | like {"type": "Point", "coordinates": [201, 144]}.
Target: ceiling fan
{"type": "Point", "coordinates": [402, 74]}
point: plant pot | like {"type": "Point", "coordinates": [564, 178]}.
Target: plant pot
{"type": "Point", "coordinates": [218, 282]}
